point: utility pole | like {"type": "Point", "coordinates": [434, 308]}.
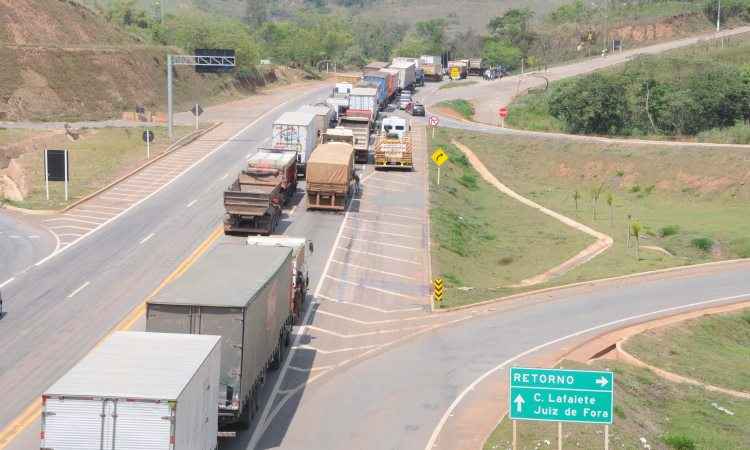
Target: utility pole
{"type": "Point", "coordinates": [718, 17]}
{"type": "Point", "coordinates": [169, 97]}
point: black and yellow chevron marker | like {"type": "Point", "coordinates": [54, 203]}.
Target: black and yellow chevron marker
{"type": "Point", "coordinates": [438, 289]}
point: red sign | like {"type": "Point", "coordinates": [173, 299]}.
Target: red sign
{"type": "Point", "coordinates": [434, 121]}
{"type": "Point", "coordinates": [503, 111]}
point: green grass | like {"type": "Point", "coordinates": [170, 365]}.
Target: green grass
{"type": "Point", "coordinates": [714, 349]}
{"type": "Point", "coordinates": [662, 412]}
{"type": "Point", "coordinates": [484, 241]}
{"type": "Point", "coordinates": [684, 196]}
{"type": "Point", "coordinates": [456, 84]}
{"type": "Point", "coordinates": [99, 157]}
{"type": "Point", "coordinates": [531, 112]}
{"type": "Point", "coordinates": [12, 135]}
{"type": "Point", "coordinates": [463, 107]}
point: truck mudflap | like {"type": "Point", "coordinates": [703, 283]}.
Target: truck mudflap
{"type": "Point", "coordinates": [236, 225]}
{"type": "Point", "coordinates": [361, 156]}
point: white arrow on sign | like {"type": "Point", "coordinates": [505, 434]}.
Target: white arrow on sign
{"type": "Point", "coordinates": [519, 401]}
{"type": "Point", "coordinates": [602, 381]}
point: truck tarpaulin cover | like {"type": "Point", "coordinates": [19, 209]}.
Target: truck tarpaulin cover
{"type": "Point", "coordinates": [271, 160]}
{"type": "Point", "coordinates": [330, 166]}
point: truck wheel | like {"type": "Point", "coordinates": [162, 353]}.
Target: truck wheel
{"type": "Point", "coordinates": [244, 420]}
{"type": "Point", "coordinates": [276, 360]}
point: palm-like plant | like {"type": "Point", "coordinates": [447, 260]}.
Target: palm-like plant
{"type": "Point", "coordinates": [636, 229]}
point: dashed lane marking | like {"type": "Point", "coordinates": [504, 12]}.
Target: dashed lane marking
{"type": "Point", "coordinates": [377, 255]}
{"type": "Point", "coordinates": [371, 308]}
{"type": "Point", "coordinates": [147, 238]}
{"type": "Point", "coordinates": [369, 269]}
{"type": "Point", "coordinates": [373, 288]}
{"type": "Point", "coordinates": [191, 203]}
{"type": "Point", "coordinates": [82, 287]}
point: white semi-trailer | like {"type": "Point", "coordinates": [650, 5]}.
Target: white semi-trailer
{"type": "Point", "coordinates": [152, 391]}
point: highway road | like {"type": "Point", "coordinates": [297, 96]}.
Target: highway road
{"type": "Point", "coordinates": [23, 242]}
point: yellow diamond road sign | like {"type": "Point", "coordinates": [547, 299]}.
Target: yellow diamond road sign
{"type": "Point", "coordinates": [440, 157]}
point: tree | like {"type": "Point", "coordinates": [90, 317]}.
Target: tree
{"type": "Point", "coordinates": [513, 26]}
{"type": "Point", "coordinates": [610, 203]}
{"type": "Point", "coordinates": [501, 53]}
{"type": "Point", "coordinates": [576, 197]}
{"type": "Point", "coordinates": [597, 104]}
{"type": "Point", "coordinates": [256, 12]}
{"type": "Point", "coordinates": [635, 230]}
{"type": "Point", "coordinates": [596, 192]}
{"type": "Point", "coordinates": [432, 32]}
{"type": "Point", "coordinates": [412, 46]}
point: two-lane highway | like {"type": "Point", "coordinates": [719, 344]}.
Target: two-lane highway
{"type": "Point", "coordinates": [22, 243]}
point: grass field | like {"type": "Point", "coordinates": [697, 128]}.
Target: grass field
{"type": "Point", "coordinates": [714, 349]}
{"type": "Point", "coordinates": [463, 108]}
{"type": "Point", "coordinates": [665, 414]}
{"type": "Point", "coordinates": [692, 205]}
{"type": "Point", "coordinates": [484, 241]}
{"type": "Point", "coordinates": [99, 157]}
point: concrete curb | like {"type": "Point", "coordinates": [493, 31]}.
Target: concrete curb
{"type": "Point", "coordinates": [182, 142]}
{"type": "Point", "coordinates": [591, 283]}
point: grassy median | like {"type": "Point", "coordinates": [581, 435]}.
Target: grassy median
{"type": "Point", "coordinates": [648, 410]}
{"type": "Point", "coordinates": [97, 158]}
{"type": "Point", "coordinates": [462, 108]}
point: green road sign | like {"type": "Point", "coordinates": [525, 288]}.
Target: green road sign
{"type": "Point", "coordinates": [561, 395]}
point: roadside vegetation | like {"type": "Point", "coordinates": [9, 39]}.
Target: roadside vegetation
{"type": "Point", "coordinates": [713, 349]}
{"type": "Point", "coordinates": [700, 93]}
{"type": "Point", "coordinates": [648, 411]}
{"type": "Point", "coordinates": [97, 158]}
{"type": "Point", "coordinates": [663, 206]}
{"type": "Point", "coordinates": [463, 108]}
{"type": "Point", "coordinates": [483, 241]}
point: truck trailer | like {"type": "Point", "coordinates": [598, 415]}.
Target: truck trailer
{"type": "Point", "coordinates": [476, 67]}
{"type": "Point", "coordinates": [458, 70]}
{"type": "Point", "coordinates": [296, 131]}
{"type": "Point", "coordinates": [331, 181]}
{"type": "Point", "coordinates": [324, 114]}
{"type": "Point", "coordinates": [432, 67]}
{"type": "Point", "coordinates": [407, 74]}
{"type": "Point", "coordinates": [241, 293]}
{"type": "Point", "coordinates": [394, 147]}
{"type": "Point", "coordinates": [154, 391]}
{"type": "Point", "coordinates": [254, 200]}
{"type": "Point", "coordinates": [360, 130]}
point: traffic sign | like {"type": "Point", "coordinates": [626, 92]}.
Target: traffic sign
{"type": "Point", "coordinates": [557, 395]}
{"type": "Point", "coordinates": [148, 136]}
{"type": "Point", "coordinates": [196, 110]}
{"type": "Point", "coordinates": [439, 157]}
{"type": "Point", "coordinates": [434, 121]}
{"type": "Point", "coordinates": [438, 289]}
{"type": "Point", "coordinates": [503, 112]}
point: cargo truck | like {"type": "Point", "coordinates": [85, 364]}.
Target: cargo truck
{"type": "Point", "coordinates": [393, 79]}
{"type": "Point", "coordinates": [254, 200]}
{"type": "Point", "coordinates": [300, 276]}
{"type": "Point", "coordinates": [457, 70]}
{"type": "Point", "coordinates": [394, 148]}
{"type": "Point", "coordinates": [351, 78]}
{"type": "Point", "coordinates": [407, 74]}
{"type": "Point", "coordinates": [296, 131]}
{"type": "Point", "coordinates": [432, 67]}
{"type": "Point", "coordinates": [378, 80]}
{"type": "Point", "coordinates": [476, 67]}
{"type": "Point", "coordinates": [375, 66]}
{"type": "Point", "coordinates": [359, 126]}
{"type": "Point", "coordinates": [154, 391]}
{"type": "Point", "coordinates": [241, 293]}
{"type": "Point", "coordinates": [324, 115]}
{"type": "Point", "coordinates": [346, 135]}
{"type": "Point", "coordinates": [331, 179]}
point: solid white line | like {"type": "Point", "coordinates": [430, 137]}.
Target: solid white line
{"type": "Point", "coordinates": [381, 180]}
{"type": "Point", "coordinates": [7, 282]}
{"type": "Point", "coordinates": [381, 243]}
{"type": "Point", "coordinates": [372, 288]}
{"type": "Point", "coordinates": [58, 227]}
{"type": "Point", "coordinates": [147, 238]}
{"type": "Point", "coordinates": [85, 216]}
{"type": "Point", "coordinates": [397, 275]}
{"type": "Point", "coordinates": [373, 322]}
{"type": "Point", "coordinates": [329, 352]}
{"type": "Point", "coordinates": [159, 189]}
{"type": "Point", "coordinates": [369, 333]}
{"type": "Point", "coordinates": [312, 369]}
{"type": "Point", "coordinates": [191, 203]}
{"type": "Point", "coordinates": [373, 211]}
{"type": "Point", "coordinates": [449, 412]}
{"type": "Point", "coordinates": [83, 286]}
{"type": "Point", "coordinates": [393, 224]}
{"type": "Point", "coordinates": [66, 219]}
{"type": "Point", "coordinates": [33, 236]}
{"type": "Point", "coordinates": [14, 236]}
{"type": "Point", "coordinates": [382, 232]}
{"type": "Point", "coordinates": [371, 308]}
{"type": "Point", "coordinates": [377, 255]}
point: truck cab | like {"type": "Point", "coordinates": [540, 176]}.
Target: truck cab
{"type": "Point", "coordinates": [338, 134]}
{"type": "Point", "coordinates": [394, 125]}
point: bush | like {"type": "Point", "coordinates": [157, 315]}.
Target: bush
{"type": "Point", "coordinates": [679, 442]}
{"type": "Point", "coordinates": [469, 181]}
{"type": "Point", "coordinates": [669, 230]}
{"type": "Point", "coordinates": [703, 243]}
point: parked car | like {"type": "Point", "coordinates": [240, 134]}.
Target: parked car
{"type": "Point", "coordinates": [415, 109]}
{"type": "Point", "coordinates": [403, 101]}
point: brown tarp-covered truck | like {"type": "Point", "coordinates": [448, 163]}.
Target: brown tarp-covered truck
{"type": "Point", "coordinates": [330, 176]}
{"type": "Point", "coordinates": [253, 201]}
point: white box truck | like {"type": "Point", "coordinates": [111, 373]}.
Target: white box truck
{"type": "Point", "coordinates": [296, 131]}
{"type": "Point", "coordinates": [137, 391]}
{"type": "Point", "coordinates": [407, 74]}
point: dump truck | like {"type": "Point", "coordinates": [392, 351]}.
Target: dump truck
{"type": "Point", "coordinates": [407, 73]}
{"type": "Point", "coordinates": [155, 391]}
{"type": "Point", "coordinates": [394, 148]}
{"type": "Point", "coordinates": [254, 200]}
{"type": "Point", "coordinates": [331, 178]}
{"type": "Point", "coordinates": [300, 276]}
{"type": "Point", "coordinates": [457, 70]}
{"type": "Point", "coordinates": [242, 293]}
{"type": "Point", "coordinates": [296, 131]}
{"type": "Point", "coordinates": [359, 126]}
{"type": "Point", "coordinates": [432, 67]}
{"type": "Point", "coordinates": [476, 67]}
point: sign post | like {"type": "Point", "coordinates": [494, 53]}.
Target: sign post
{"type": "Point", "coordinates": [503, 113]}
{"type": "Point", "coordinates": [434, 121]}
{"type": "Point", "coordinates": [148, 138]}
{"type": "Point", "coordinates": [439, 157]}
{"type": "Point", "coordinates": [56, 168]}
{"type": "Point", "coordinates": [556, 395]}
{"type": "Point", "coordinates": [197, 111]}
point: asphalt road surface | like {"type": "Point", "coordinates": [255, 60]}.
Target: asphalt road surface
{"type": "Point", "coordinates": [22, 243]}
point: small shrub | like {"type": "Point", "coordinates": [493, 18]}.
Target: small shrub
{"type": "Point", "coordinates": [469, 181]}
{"type": "Point", "coordinates": [461, 160]}
{"type": "Point", "coordinates": [649, 189]}
{"type": "Point", "coordinates": [669, 230]}
{"type": "Point", "coordinates": [741, 247]}
{"type": "Point", "coordinates": [452, 279]}
{"type": "Point", "coordinates": [746, 317]}
{"type": "Point", "coordinates": [679, 442]}
{"type": "Point", "coordinates": [703, 243]}
{"type": "Point", "coordinates": [620, 173]}
{"type": "Point", "coordinates": [619, 412]}
{"type": "Point", "coordinates": [505, 260]}
{"type": "Point", "coordinates": [635, 188]}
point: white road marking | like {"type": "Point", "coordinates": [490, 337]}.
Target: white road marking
{"type": "Point", "coordinates": [369, 269]}
{"type": "Point", "coordinates": [374, 322]}
{"type": "Point", "coordinates": [168, 183]}
{"type": "Point", "coordinates": [94, 206]}
{"type": "Point", "coordinates": [371, 308]}
{"type": "Point", "coordinates": [393, 224]}
{"type": "Point", "coordinates": [14, 236]}
{"type": "Point", "coordinates": [225, 176]}
{"type": "Point", "coordinates": [312, 369]}
{"type": "Point", "coordinates": [33, 236]}
{"type": "Point", "coordinates": [83, 286]}
{"type": "Point", "coordinates": [472, 386]}
{"type": "Point", "coordinates": [146, 239]}
{"type": "Point", "coordinates": [377, 255]}
{"type": "Point", "coordinates": [191, 203]}
{"type": "Point", "coordinates": [382, 232]}
{"type": "Point", "coordinates": [69, 219]}
{"type": "Point", "coordinates": [382, 180]}
{"type": "Point", "coordinates": [7, 282]}
{"type": "Point", "coordinates": [372, 288]}
{"type": "Point", "coordinates": [373, 211]}
{"type": "Point", "coordinates": [387, 244]}
{"type": "Point", "coordinates": [368, 333]}
{"type": "Point", "coordinates": [369, 186]}
{"type": "Point", "coordinates": [86, 215]}
{"type": "Point", "coordinates": [74, 227]}
{"type": "Point", "coordinates": [331, 352]}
